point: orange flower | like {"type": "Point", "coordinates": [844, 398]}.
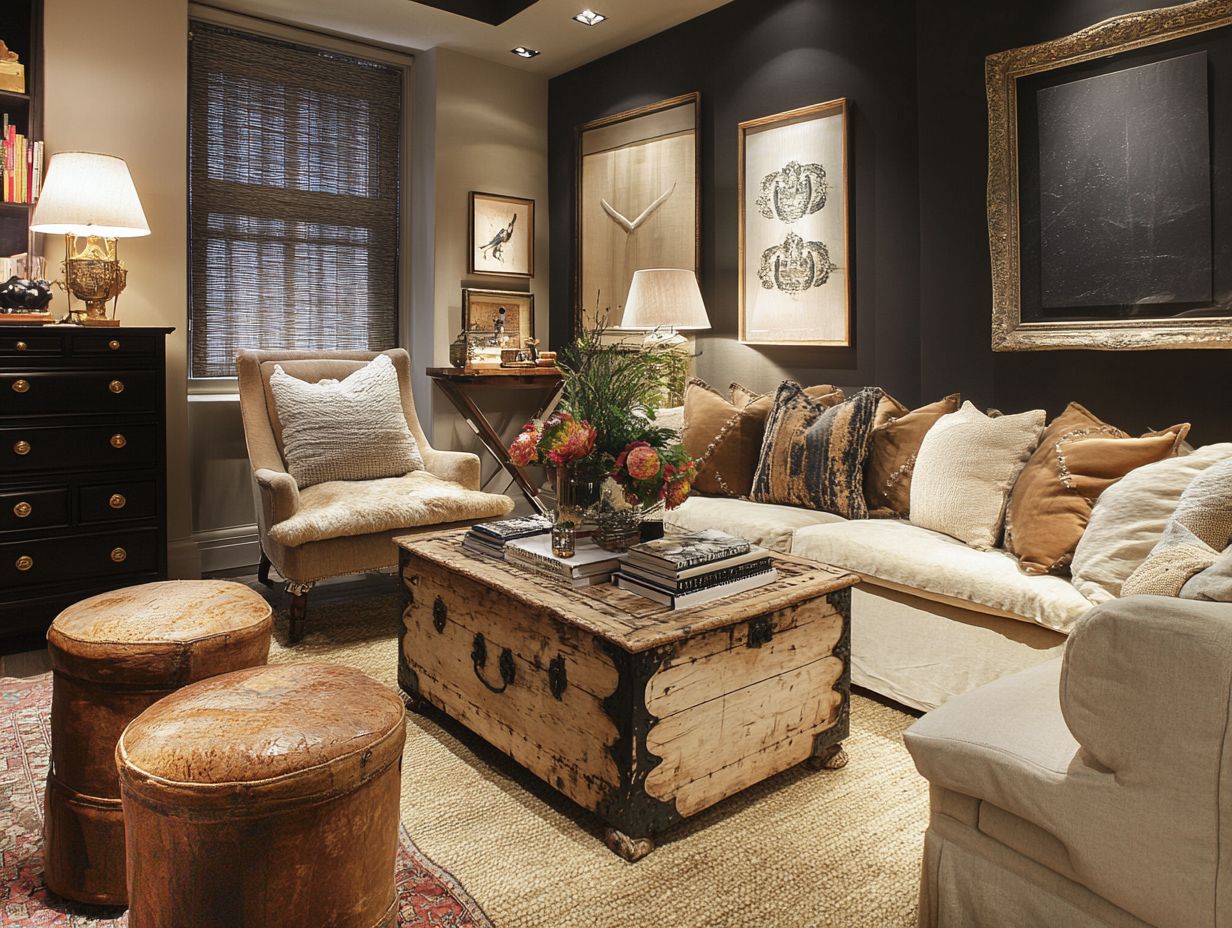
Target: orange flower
{"type": "Point", "coordinates": [642, 462]}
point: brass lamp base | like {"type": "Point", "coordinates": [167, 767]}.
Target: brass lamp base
{"type": "Point", "coordinates": [101, 323]}
{"type": "Point", "coordinates": [94, 275]}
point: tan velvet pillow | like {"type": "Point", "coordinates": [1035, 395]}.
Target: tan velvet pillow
{"type": "Point", "coordinates": [725, 436]}
{"type": "Point", "coordinates": [1079, 456]}
{"type": "Point", "coordinates": [892, 451]}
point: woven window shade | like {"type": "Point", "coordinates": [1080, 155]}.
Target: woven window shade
{"type": "Point", "coordinates": [294, 161]}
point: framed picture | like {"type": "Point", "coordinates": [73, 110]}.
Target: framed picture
{"type": "Point", "coordinates": [637, 202]}
{"type": "Point", "coordinates": [795, 285]}
{"type": "Point", "coordinates": [1109, 168]}
{"type": "Point", "coordinates": [502, 236]}
{"type": "Point", "coordinates": [506, 313]}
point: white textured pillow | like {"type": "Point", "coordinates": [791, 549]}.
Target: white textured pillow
{"type": "Point", "coordinates": [1129, 519]}
{"type": "Point", "coordinates": [354, 429]}
{"type": "Point", "coordinates": [965, 468]}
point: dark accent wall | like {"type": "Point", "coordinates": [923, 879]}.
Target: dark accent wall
{"type": "Point", "coordinates": [753, 58]}
{"type": "Point", "coordinates": [914, 76]}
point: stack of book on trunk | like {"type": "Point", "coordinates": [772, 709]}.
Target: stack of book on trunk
{"type": "Point", "coordinates": [589, 566]}
{"type": "Point", "coordinates": [685, 570]}
{"type": "Point", "coordinates": [490, 538]}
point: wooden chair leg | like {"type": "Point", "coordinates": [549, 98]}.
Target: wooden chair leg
{"type": "Point", "coordinates": [263, 570]}
{"type": "Point", "coordinates": [297, 610]}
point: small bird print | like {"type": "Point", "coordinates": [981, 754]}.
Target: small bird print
{"type": "Point", "coordinates": [496, 247]}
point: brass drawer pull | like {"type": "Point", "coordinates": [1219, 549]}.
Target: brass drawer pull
{"type": "Point", "coordinates": [119, 555]}
{"type": "Point", "coordinates": [22, 346]}
{"type": "Point", "coordinates": [118, 440]}
{"type": "Point", "coordinates": [116, 386]}
{"type": "Point", "coordinates": [479, 657]}
{"type": "Point", "coordinates": [117, 501]}
{"type": "Point", "coordinates": [21, 447]}
{"type": "Point", "coordinates": [21, 386]}
{"type": "Point", "coordinates": [24, 563]}
{"type": "Point", "coordinates": [114, 344]}
{"type": "Point", "coordinates": [22, 509]}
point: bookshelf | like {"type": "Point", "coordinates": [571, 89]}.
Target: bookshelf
{"type": "Point", "coordinates": [22, 30]}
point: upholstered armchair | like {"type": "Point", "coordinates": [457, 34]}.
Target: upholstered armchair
{"type": "Point", "coordinates": [343, 527]}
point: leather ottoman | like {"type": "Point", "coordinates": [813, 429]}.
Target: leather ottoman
{"type": "Point", "coordinates": [113, 656]}
{"type": "Point", "coordinates": [265, 797]}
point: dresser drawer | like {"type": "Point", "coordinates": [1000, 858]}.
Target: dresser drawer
{"type": "Point", "coordinates": [40, 507]}
{"type": "Point", "coordinates": [118, 500]}
{"type": "Point", "coordinates": [115, 345]}
{"type": "Point", "coordinates": [41, 561]}
{"type": "Point", "coordinates": [31, 346]}
{"type": "Point", "coordinates": [39, 450]}
{"type": "Point", "coordinates": [41, 393]}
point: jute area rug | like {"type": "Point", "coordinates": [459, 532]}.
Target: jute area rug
{"type": "Point", "coordinates": [809, 849]}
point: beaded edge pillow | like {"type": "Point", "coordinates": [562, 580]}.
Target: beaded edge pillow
{"type": "Point", "coordinates": [892, 451]}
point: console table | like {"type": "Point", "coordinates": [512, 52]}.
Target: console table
{"type": "Point", "coordinates": [458, 384]}
{"type": "Point", "coordinates": [82, 467]}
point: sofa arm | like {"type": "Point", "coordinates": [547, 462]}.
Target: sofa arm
{"type": "Point", "coordinates": [279, 495]}
{"type": "Point", "coordinates": [459, 466]}
{"type": "Point", "coordinates": [1146, 687]}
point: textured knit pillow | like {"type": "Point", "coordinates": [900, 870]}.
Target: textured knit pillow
{"type": "Point", "coordinates": [1213, 584]}
{"type": "Point", "coordinates": [725, 436]}
{"type": "Point", "coordinates": [892, 452]}
{"type": "Point", "coordinates": [354, 429]}
{"type": "Point", "coordinates": [965, 468]}
{"type": "Point", "coordinates": [1198, 532]}
{"type": "Point", "coordinates": [813, 454]}
{"type": "Point", "coordinates": [1130, 518]}
{"type": "Point", "coordinates": [1078, 457]}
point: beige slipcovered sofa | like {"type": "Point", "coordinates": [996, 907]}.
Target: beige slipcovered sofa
{"type": "Point", "coordinates": [1093, 790]}
{"type": "Point", "coordinates": [343, 527]}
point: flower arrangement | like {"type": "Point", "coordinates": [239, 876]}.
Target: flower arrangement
{"type": "Point", "coordinates": [560, 440]}
{"type": "Point", "coordinates": [650, 475]}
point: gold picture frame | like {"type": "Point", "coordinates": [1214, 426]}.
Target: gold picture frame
{"type": "Point", "coordinates": [496, 246]}
{"type": "Point", "coordinates": [1010, 332]}
{"type": "Point", "coordinates": [806, 146]}
{"type": "Point", "coordinates": [642, 225]}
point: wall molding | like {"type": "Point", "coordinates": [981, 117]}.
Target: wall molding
{"type": "Point", "coordinates": [227, 548]}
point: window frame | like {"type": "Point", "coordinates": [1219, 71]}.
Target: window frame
{"type": "Point", "coordinates": [328, 42]}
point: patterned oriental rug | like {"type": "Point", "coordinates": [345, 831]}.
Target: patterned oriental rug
{"type": "Point", "coordinates": [801, 850]}
{"type": "Point", "coordinates": [428, 896]}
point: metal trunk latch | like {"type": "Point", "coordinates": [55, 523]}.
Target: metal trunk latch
{"type": "Point", "coordinates": [557, 679]}
{"type": "Point", "coordinates": [440, 612]}
{"type": "Point", "coordinates": [479, 657]}
{"type": "Point", "coordinates": [761, 631]}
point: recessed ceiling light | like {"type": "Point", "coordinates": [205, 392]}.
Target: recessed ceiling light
{"type": "Point", "coordinates": [590, 18]}
{"type": "Point", "coordinates": [523, 52]}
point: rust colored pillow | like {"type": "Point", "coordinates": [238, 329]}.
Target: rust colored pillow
{"type": "Point", "coordinates": [725, 436]}
{"type": "Point", "coordinates": [1078, 458]}
{"type": "Point", "coordinates": [892, 450]}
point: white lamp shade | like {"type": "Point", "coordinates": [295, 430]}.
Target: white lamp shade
{"type": "Point", "coordinates": [89, 194]}
{"type": "Point", "coordinates": [663, 298]}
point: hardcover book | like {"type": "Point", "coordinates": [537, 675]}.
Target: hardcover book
{"type": "Point", "coordinates": [509, 529]}
{"type": "Point", "coordinates": [723, 572]}
{"type": "Point", "coordinates": [694, 549]}
{"type": "Point", "coordinates": [685, 600]}
{"type": "Point", "coordinates": [588, 560]}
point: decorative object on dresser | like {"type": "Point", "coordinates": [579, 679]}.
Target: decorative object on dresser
{"type": "Point", "coordinates": [91, 197]}
{"type": "Point", "coordinates": [638, 203]}
{"type": "Point", "coordinates": [795, 285]}
{"type": "Point", "coordinates": [641, 715]}
{"type": "Point", "coordinates": [500, 235]}
{"type": "Point", "coordinates": [113, 656]}
{"type": "Point", "coordinates": [82, 467]}
{"type": "Point", "coordinates": [1133, 258]}
{"type": "Point", "coordinates": [265, 797]}
{"type": "Point", "coordinates": [345, 526]}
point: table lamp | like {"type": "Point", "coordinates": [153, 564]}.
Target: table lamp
{"type": "Point", "coordinates": [90, 198]}
{"type": "Point", "coordinates": [665, 301]}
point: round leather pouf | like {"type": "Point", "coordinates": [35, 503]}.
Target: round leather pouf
{"type": "Point", "coordinates": [113, 656]}
{"type": "Point", "coordinates": [265, 797]}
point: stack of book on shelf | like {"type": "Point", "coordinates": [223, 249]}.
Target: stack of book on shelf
{"type": "Point", "coordinates": [686, 570]}
{"type": "Point", "coordinates": [22, 165]}
{"type": "Point", "coordinates": [589, 566]}
{"type": "Point", "coordinates": [490, 538]}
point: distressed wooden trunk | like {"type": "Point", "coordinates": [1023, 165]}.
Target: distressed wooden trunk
{"type": "Point", "coordinates": [639, 714]}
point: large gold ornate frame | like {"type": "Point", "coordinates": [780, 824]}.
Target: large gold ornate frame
{"type": "Point", "coordinates": [1002, 72]}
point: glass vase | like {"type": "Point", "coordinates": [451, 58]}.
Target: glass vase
{"type": "Point", "coordinates": [577, 494]}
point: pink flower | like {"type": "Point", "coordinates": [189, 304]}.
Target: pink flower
{"type": "Point", "coordinates": [677, 491]}
{"type": "Point", "coordinates": [642, 462]}
{"type": "Point", "coordinates": [571, 440]}
{"type": "Point", "coordinates": [524, 449]}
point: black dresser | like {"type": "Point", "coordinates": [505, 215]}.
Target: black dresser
{"type": "Point", "coordinates": [82, 468]}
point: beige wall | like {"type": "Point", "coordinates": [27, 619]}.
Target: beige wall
{"type": "Point", "coordinates": [116, 77]}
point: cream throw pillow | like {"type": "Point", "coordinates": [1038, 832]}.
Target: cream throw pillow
{"type": "Point", "coordinates": [1130, 517]}
{"type": "Point", "coordinates": [354, 429]}
{"type": "Point", "coordinates": [965, 468]}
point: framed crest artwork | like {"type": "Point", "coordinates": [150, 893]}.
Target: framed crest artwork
{"type": "Point", "coordinates": [637, 202]}
{"type": "Point", "coordinates": [501, 232]}
{"type": "Point", "coordinates": [1108, 172]}
{"type": "Point", "coordinates": [795, 286]}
